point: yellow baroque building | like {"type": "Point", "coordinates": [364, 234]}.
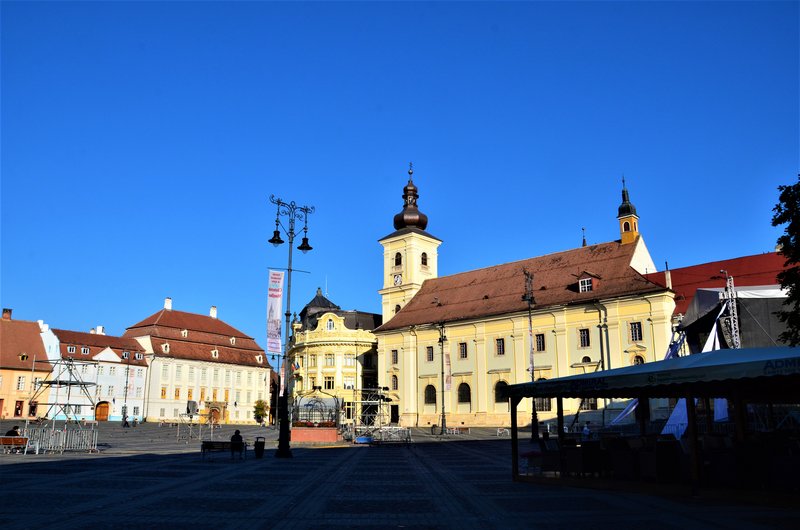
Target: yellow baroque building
{"type": "Point", "coordinates": [449, 344]}
{"type": "Point", "coordinates": [336, 351]}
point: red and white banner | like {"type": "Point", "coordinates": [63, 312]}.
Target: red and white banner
{"type": "Point", "coordinates": [274, 303]}
{"type": "Point", "coordinates": [447, 374]}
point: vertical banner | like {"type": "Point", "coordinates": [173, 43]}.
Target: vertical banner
{"type": "Point", "coordinates": [447, 376]}
{"type": "Point", "coordinates": [274, 303]}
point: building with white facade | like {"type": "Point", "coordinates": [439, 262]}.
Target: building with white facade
{"type": "Point", "coordinates": [200, 365]}
{"type": "Point", "coordinates": [96, 376]}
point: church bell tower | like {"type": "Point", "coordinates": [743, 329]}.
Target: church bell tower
{"type": "Point", "coordinates": [409, 253]}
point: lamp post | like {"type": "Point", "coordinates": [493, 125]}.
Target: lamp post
{"type": "Point", "coordinates": [442, 338]}
{"type": "Point", "coordinates": [528, 297]}
{"type": "Point", "coordinates": [292, 212]}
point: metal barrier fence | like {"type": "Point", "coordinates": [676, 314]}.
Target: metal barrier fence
{"type": "Point", "coordinates": [59, 441]}
{"type": "Point", "coordinates": [385, 434]}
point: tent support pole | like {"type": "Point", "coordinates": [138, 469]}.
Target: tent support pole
{"type": "Point", "coordinates": [514, 439]}
{"type": "Point", "coordinates": [694, 457]}
{"type": "Point", "coordinates": [709, 416]}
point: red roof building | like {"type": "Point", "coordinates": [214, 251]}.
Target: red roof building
{"type": "Point", "coordinates": [23, 362]}
{"type": "Point", "coordinates": [202, 365]}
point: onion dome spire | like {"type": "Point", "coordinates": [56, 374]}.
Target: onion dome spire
{"type": "Point", "coordinates": [626, 208]}
{"type": "Point", "coordinates": [410, 217]}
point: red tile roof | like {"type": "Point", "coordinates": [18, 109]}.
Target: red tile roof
{"type": "Point", "coordinates": [760, 269]}
{"type": "Point", "coordinates": [97, 343]}
{"type": "Point", "coordinates": [204, 333]}
{"type": "Point", "coordinates": [168, 318]}
{"type": "Point", "coordinates": [21, 336]}
{"type": "Point", "coordinates": [498, 290]}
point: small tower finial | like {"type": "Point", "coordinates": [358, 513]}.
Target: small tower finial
{"type": "Point", "coordinates": [583, 231]}
{"type": "Point", "coordinates": [410, 170]}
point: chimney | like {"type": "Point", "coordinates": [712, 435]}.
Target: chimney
{"type": "Point", "coordinates": [100, 330]}
{"type": "Point", "coordinates": [168, 303]}
{"type": "Point", "coordinates": [7, 313]}
{"type": "Point", "coordinates": [213, 311]}
{"type": "Point", "coordinates": [668, 276]}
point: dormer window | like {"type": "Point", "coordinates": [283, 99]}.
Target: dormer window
{"type": "Point", "coordinates": [329, 325]}
{"type": "Point", "coordinates": [585, 285]}
{"type": "Point", "coordinates": [70, 349]}
{"type": "Point", "coordinates": [233, 341]}
{"type": "Point", "coordinates": [126, 355]}
{"type": "Point", "coordinates": [215, 354]}
{"type": "Point", "coordinates": [138, 356]}
{"type": "Point", "coordinates": [185, 333]}
{"type": "Point", "coordinates": [259, 359]}
{"type": "Point", "coordinates": [165, 347]}
{"type": "Point", "coordinates": [84, 350]}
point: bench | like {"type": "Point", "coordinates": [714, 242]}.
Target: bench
{"type": "Point", "coordinates": [458, 430]}
{"type": "Point", "coordinates": [14, 443]}
{"type": "Point", "coordinates": [221, 446]}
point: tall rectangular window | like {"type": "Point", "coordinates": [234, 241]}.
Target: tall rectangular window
{"type": "Point", "coordinates": [163, 392]}
{"type": "Point", "coordinates": [204, 374]}
{"type": "Point", "coordinates": [636, 331]}
{"type": "Point", "coordinates": [191, 373]}
{"type": "Point", "coordinates": [177, 392]}
{"type": "Point", "coordinates": [349, 359]}
{"type": "Point", "coordinates": [164, 372]}
{"type": "Point", "coordinates": [500, 346]}
{"type": "Point", "coordinates": [328, 383]}
{"type": "Point", "coordinates": [215, 375]}
{"type": "Point", "coordinates": [588, 404]}
{"type": "Point", "coordinates": [584, 338]}
{"type": "Point", "coordinates": [110, 390]}
{"type": "Point", "coordinates": [429, 353]}
{"type": "Point", "coordinates": [330, 360]}
{"type": "Point", "coordinates": [312, 361]}
{"type": "Point", "coordinates": [394, 356]}
{"type": "Point", "coordinates": [540, 344]}
{"type": "Point", "coordinates": [462, 350]}
{"type": "Point", "coordinates": [21, 382]}
{"type": "Point", "coordinates": [189, 393]}
{"type": "Point", "coordinates": [178, 371]}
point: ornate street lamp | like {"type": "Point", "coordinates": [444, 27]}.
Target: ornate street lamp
{"type": "Point", "coordinates": [442, 338]}
{"type": "Point", "coordinates": [528, 297]}
{"type": "Point", "coordinates": [291, 212]}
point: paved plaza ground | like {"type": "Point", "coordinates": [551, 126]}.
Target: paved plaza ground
{"type": "Point", "coordinates": [146, 477]}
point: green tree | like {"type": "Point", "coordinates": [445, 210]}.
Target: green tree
{"type": "Point", "coordinates": [787, 212]}
{"type": "Point", "coordinates": [260, 410]}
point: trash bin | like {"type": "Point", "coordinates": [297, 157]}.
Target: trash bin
{"type": "Point", "coordinates": [258, 447]}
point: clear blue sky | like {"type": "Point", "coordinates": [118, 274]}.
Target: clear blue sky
{"type": "Point", "coordinates": [141, 141]}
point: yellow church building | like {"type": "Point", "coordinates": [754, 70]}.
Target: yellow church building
{"type": "Point", "coordinates": [449, 344]}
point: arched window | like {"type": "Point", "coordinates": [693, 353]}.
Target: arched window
{"type": "Point", "coordinates": [396, 309]}
{"type": "Point", "coordinates": [398, 260]}
{"type": "Point", "coordinates": [464, 394]}
{"type": "Point", "coordinates": [638, 359]}
{"type": "Point", "coordinates": [498, 392]}
{"type": "Point", "coordinates": [586, 359]}
{"type": "Point", "coordinates": [430, 395]}
{"type": "Point", "coordinates": [424, 259]}
{"type": "Point", "coordinates": [394, 382]}
{"type": "Point", "coordinates": [626, 226]}
{"type": "Point", "coordinates": [330, 324]}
